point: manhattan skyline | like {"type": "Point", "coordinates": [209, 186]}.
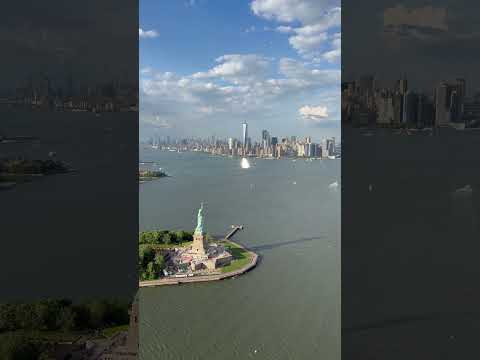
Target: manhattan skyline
{"type": "Point", "coordinates": [273, 66]}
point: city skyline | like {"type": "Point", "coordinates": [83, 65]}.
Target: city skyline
{"type": "Point", "coordinates": [447, 104]}
{"type": "Point", "coordinates": [269, 146]}
{"type": "Point", "coordinates": [271, 65]}
{"type": "Point", "coordinates": [257, 137]}
{"type": "Point", "coordinates": [426, 42]}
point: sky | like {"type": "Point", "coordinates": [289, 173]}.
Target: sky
{"type": "Point", "coordinates": [59, 39]}
{"type": "Point", "coordinates": [208, 65]}
{"type": "Point", "coordinates": [426, 40]}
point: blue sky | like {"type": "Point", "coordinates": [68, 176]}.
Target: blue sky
{"type": "Point", "coordinates": [208, 65]}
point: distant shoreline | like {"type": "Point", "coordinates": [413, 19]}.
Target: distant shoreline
{"type": "Point", "coordinates": [239, 156]}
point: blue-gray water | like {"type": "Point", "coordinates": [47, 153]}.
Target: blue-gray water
{"type": "Point", "coordinates": [64, 228]}
{"type": "Point", "coordinates": [286, 308]}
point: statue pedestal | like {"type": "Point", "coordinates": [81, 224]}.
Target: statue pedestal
{"type": "Point", "coordinates": [199, 245]}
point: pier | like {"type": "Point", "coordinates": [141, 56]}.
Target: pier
{"type": "Point", "coordinates": [234, 230]}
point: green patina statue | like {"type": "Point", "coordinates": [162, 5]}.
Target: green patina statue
{"type": "Point", "coordinates": [200, 228]}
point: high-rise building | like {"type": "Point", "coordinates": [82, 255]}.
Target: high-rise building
{"type": "Point", "coordinates": [449, 102]}
{"type": "Point", "coordinates": [384, 105]}
{"type": "Point", "coordinates": [365, 84]}
{"type": "Point", "coordinates": [410, 108]}
{"type": "Point", "coordinates": [403, 85]}
{"type": "Point", "coordinates": [230, 144]}
{"type": "Point", "coordinates": [424, 114]}
{"type": "Point", "coordinates": [442, 111]}
{"type": "Point", "coordinates": [300, 150]}
{"type": "Point", "coordinates": [265, 140]}
{"type": "Point", "coordinates": [245, 135]}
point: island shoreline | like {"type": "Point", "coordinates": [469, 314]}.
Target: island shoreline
{"type": "Point", "coordinates": [171, 280]}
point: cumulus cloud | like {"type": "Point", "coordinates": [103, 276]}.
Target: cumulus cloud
{"type": "Point", "coordinates": [429, 17]}
{"type": "Point", "coordinates": [291, 68]}
{"type": "Point", "coordinates": [158, 122]}
{"type": "Point", "coordinates": [237, 68]}
{"type": "Point", "coordinates": [146, 71]}
{"type": "Point", "coordinates": [305, 11]}
{"type": "Point", "coordinates": [422, 23]}
{"type": "Point", "coordinates": [147, 34]}
{"type": "Point", "coordinates": [312, 38]}
{"type": "Point", "coordinates": [236, 86]}
{"type": "Point", "coordinates": [313, 114]}
{"type": "Point", "coordinates": [285, 29]}
{"type": "Point", "coordinates": [333, 55]}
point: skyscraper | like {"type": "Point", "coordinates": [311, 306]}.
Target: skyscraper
{"type": "Point", "coordinates": [410, 108]}
{"type": "Point", "coordinates": [245, 133]}
{"type": "Point", "coordinates": [442, 114]}
{"type": "Point", "coordinates": [265, 139]}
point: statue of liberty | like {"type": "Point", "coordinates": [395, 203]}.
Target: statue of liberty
{"type": "Point", "coordinates": [200, 227]}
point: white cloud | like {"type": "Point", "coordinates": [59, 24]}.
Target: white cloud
{"type": "Point", "coordinates": [333, 55]}
{"type": "Point", "coordinates": [317, 77]}
{"type": "Point", "coordinates": [238, 85]}
{"type": "Point", "coordinates": [145, 34]}
{"type": "Point", "coordinates": [427, 17]}
{"type": "Point", "coordinates": [317, 18]}
{"type": "Point", "coordinates": [146, 71]}
{"type": "Point", "coordinates": [305, 11]}
{"type": "Point", "coordinates": [237, 68]}
{"type": "Point", "coordinates": [285, 29]}
{"type": "Point", "coordinates": [307, 44]}
{"type": "Point", "coordinates": [159, 122]}
{"type": "Point", "coordinates": [313, 114]}
{"type": "Point", "coordinates": [250, 29]}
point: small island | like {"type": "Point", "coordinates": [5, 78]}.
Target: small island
{"type": "Point", "coordinates": [18, 170]}
{"type": "Point", "coordinates": [148, 175]}
{"type": "Point", "coordinates": [175, 257]}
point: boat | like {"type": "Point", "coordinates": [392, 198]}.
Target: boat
{"type": "Point", "coordinates": [333, 185]}
{"type": "Point", "coordinates": [467, 189]}
{"type": "Point", "coordinates": [244, 163]}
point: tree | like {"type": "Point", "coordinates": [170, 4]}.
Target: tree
{"type": "Point", "coordinates": [15, 347]}
{"type": "Point", "coordinates": [146, 254]}
{"type": "Point", "coordinates": [147, 237]}
{"type": "Point", "coordinates": [82, 316]}
{"type": "Point", "coordinates": [152, 271]}
{"type": "Point", "coordinates": [97, 309]}
{"type": "Point", "coordinates": [117, 313]}
{"type": "Point", "coordinates": [47, 311]}
{"type": "Point", "coordinates": [7, 317]}
{"type": "Point", "coordinates": [160, 262]}
{"type": "Point", "coordinates": [183, 236]}
{"type": "Point", "coordinates": [66, 319]}
{"type": "Point", "coordinates": [167, 239]}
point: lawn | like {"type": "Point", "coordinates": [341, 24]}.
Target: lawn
{"type": "Point", "coordinates": [241, 257]}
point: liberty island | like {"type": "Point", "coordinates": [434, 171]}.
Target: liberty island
{"type": "Point", "coordinates": [202, 259]}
